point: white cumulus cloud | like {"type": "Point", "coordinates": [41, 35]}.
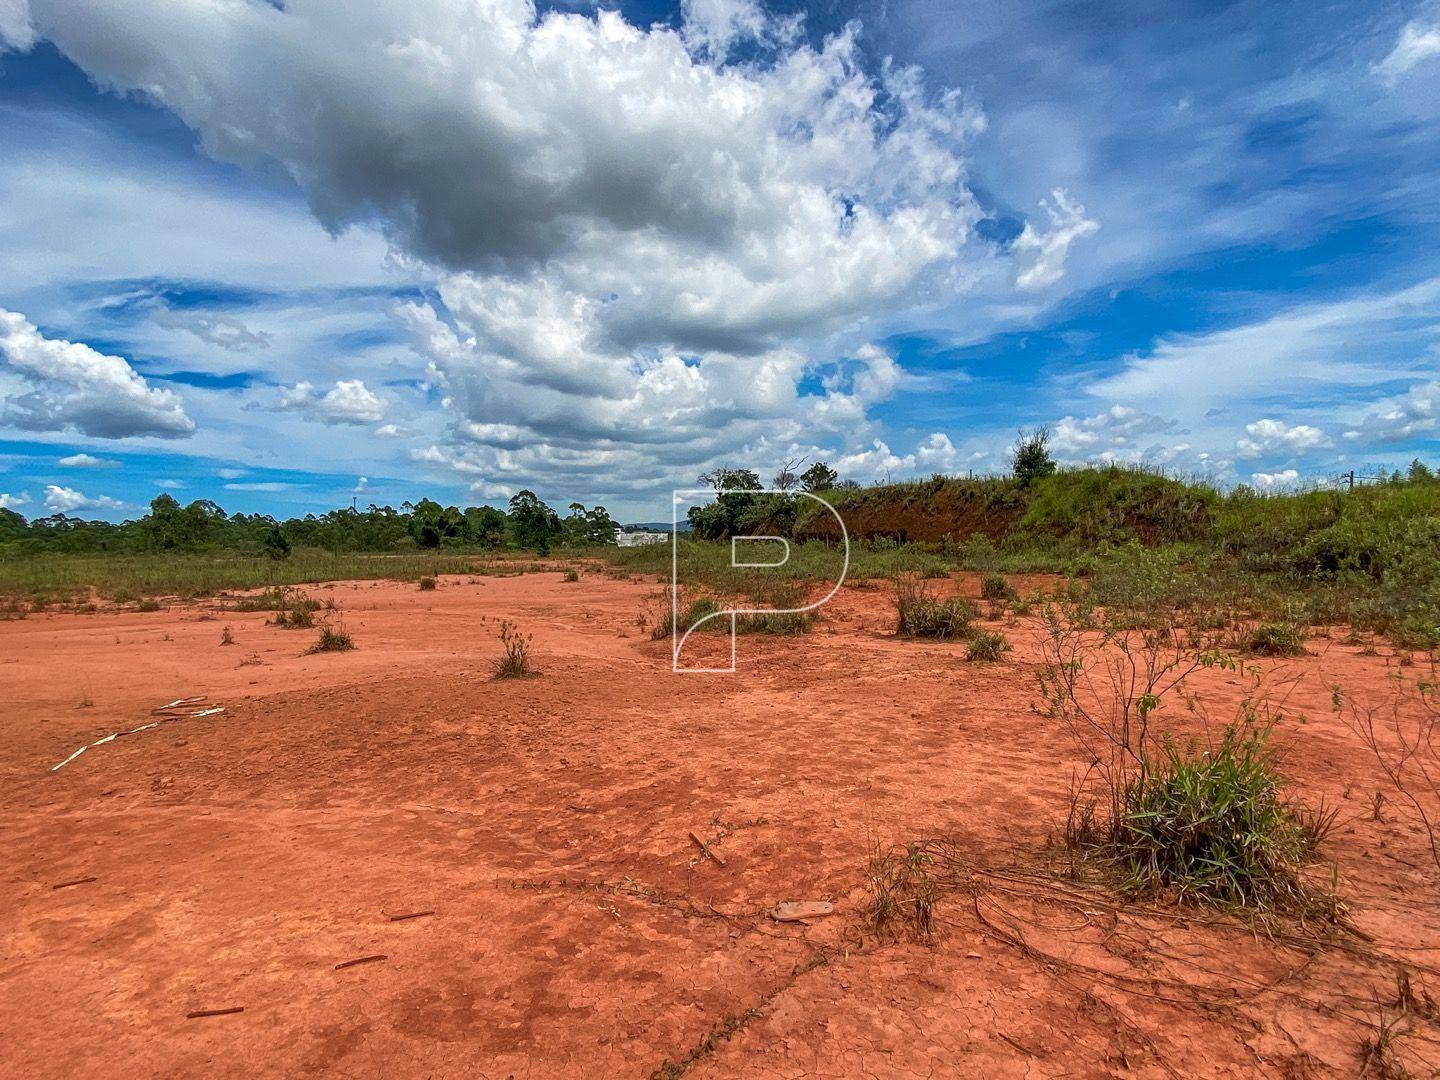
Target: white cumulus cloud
{"type": "Point", "coordinates": [63, 500]}
{"type": "Point", "coordinates": [1397, 419]}
{"type": "Point", "coordinates": [1275, 481]}
{"type": "Point", "coordinates": [15, 29]}
{"type": "Point", "coordinates": [349, 401]}
{"type": "Point", "coordinates": [1269, 436]}
{"type": "Point", "coordinates": [85, 461]}
{"type": "Point", "coordinates": [643, 251]}
{"type": "Point", "coordinates": [1112, 435]}
{"type": "Point", "coordinates": [68, 386]}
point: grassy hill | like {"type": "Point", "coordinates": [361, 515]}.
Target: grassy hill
{"type": "Point", "coordinates": [1369, 557]}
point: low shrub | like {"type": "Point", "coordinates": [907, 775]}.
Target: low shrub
{"type": "Point", "coordinates": [149, 603]}
{"type": "Point", "coordinates": [697, 617]}
{"type": "Point", "coordinates": [996, 587]}
{"type": "Point", "coordinates": [1411, 586]}
{"type": "Point", "coordinates": [1212, 826]}
{"type": "Point", "coordinates": [987, 646]}
{"type": "Point", "coordinates": [572, 574]}
{"type": "Point", "coordinates": [227, 636]}
{"type": "Point", "coordinates": [1276, 639]}
{"type": "Point", "coordinates": [782, 622]}
{"type": "Point", "coordinates": [427, 584]}
{"type": "Point", "coordinates": [278, 598]}
{"type": "Point", "coordinates": [919, 613]}
{"type": "Point", "coordinates": [300, 617]}
{"type": "Point", "coordinates": [786, 598]}
{"type": "Point", "coordinates": [332, 639]}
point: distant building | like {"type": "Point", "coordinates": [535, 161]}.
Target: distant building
{"type": "Point", "coordinates": [639, 537]}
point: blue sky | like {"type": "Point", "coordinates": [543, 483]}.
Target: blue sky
{"type": "Point", "coordinates": [283, 256]}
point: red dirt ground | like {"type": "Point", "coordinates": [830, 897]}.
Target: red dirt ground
{"type": "Point", "coordinates": [576, 928]}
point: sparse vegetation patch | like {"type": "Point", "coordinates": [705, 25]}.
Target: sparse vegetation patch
{"type": "Point", "coordinates": [920, 613]}
{"type": "Point", "coordinates": [515, 662]}
{"type": "Point", "coordinates": [987, 646]}
{"type": "Point", "coordinates": [332, 639]}
{"type": "Point", "coordinates": [996, 587]}
{"type": "Point", "coordinates": [1276, 639]}
{"type": "Point", "coordinates": [903, 891]}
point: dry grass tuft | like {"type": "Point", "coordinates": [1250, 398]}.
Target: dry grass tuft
{"type": "Point", "coordinates": [920, 613]}
{"type": "Point", "coordinates": [515, 663]}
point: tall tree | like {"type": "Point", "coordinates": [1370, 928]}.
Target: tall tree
{"type": "Point", "coordinates": [532, 523]}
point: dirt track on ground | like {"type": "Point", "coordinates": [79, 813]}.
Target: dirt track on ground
{"type": "Point", "coordinates": [577, 930]}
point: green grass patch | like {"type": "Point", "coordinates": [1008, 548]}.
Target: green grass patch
{"type": "Point", "coordinates": [987, 645]}
{"type": "Point", "coordinates": [60, 577]}
{"type": "Point", "coordinates": [1213, 826]}
{"type": "Point", "coordinates": [1276, 639]}
{"type": "Point", "coordinates": [332, 639]}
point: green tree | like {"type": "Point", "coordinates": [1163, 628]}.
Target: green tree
{"type": "Point", "coordinates": [275, 545]}
{"type": "Point", "coordinates": [12, 525]}
{"type": "Point", "coordinates": [171, 527]}
{"type": "Point", "coordinates": [1420, 472]}
{"type": "Point", "coordinates": [734, 499]}
{"type": "Point", "coordinates": [485, 526]}
{"type": "Point", "coordinates": [732, 480]}
{"type": "Point", "coordinates": [532, 523]}
{"type": "Point", "coordinates": [1031, 458]}
{"type": "Point", "coordinates": [590, 526]}
{"type": "Point", "coordinates": [819, 477]}
{"type": "Point", "coordinates": [432, 524]}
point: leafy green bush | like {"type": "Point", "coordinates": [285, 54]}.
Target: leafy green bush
{"type": "Point", "coordinates": [299, 617]}
{"type": "Point", "coordinates": [987, 645]}
{"type": "Point", "coordinates": [1140, 579]}
{"type": "Point", "coordinates": [1276, 639]}
{"type": "Point", "coordinates": [996, 587]}
{"type": "Point", "coordinates": [1411, 584]}
{"type": "Point", "coordinates": [697, 616]}
{"type": "Point", "coordinates": [1030, 459]}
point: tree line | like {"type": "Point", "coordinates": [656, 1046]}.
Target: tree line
{"type": "Point", "coordinates": [203, 526]}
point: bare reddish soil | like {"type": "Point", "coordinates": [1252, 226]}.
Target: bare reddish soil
{"type": "Point", "coordinates": [577, 930]}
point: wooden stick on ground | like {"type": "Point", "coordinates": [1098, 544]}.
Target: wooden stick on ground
{"type": "Point", "coordinates": [705, 847]}
{"type": "Point", "coordinates": [361, 960]}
